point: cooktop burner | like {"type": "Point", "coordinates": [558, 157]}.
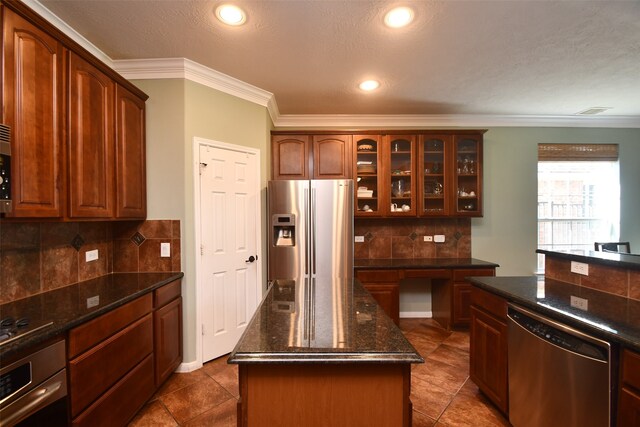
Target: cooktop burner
{"type": "Point", "coordinates": [12, 329]}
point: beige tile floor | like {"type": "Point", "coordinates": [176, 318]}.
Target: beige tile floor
{"type": "Point", "coordinates": [441, 391]}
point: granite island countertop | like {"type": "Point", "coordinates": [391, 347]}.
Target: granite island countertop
{"type": "Point", "coordinates": [322, 321]}
{"type": "Point", "coordinates": [611, 259]}
{"type": "Point", "coordinates": [610, 317]}
{"type": "Point", "coordinates": [422, 263]}
{"type": "Point", "coordinates": [59, 310]}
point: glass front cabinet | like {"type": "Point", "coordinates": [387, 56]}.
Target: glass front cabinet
{"type": "Point", "coordinates": [433, 167]}
{"type": "Point", "coordinates": [400, 177]}
{"type": "Point", "coordinates": [367, 174]}
{"type": "Point", "coordinates": [468, 175]}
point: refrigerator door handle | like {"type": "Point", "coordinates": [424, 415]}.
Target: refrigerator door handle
{"type": "Point", "coordinates": [312, 246]}
{"type": "Point", "coordinates": [306, 234]}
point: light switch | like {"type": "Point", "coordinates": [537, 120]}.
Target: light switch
{"type": "Point", "coordinates": [91, 255]}
{"type": "Point", "coordinates": [165, 250]}
{"type": "Point", "coordinates": [438, 238]}
{"type": "Point", "coordinates": [359, 239]}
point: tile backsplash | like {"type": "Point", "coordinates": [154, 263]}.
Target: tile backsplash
{"type": "Point", "coordinates": [394, 238]}
{"type": "Point", "coordinates": [38, 257]}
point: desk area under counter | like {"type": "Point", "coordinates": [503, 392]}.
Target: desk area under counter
{"type": "Point", "coordinates": [450, 291]}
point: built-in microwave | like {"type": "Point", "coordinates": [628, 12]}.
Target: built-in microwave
{"type": "Point", "coordinates": [5, 168]}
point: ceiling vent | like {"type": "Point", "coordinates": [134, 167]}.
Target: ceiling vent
{"type": "Point", "coordinates": [592, 111]}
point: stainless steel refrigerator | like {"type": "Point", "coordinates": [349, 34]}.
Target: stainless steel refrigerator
{"type": "Point", "coordinates": [311, 229]}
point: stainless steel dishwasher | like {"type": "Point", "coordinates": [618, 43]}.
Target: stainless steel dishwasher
{"type": "Point", "coordinates": [558, 376]}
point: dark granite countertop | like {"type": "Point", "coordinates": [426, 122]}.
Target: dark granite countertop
{"type": "Point", "coordinates": [422, 263]}
{"type": "Point", "coordinates": [612, 259]}
{"type": "Point", "coordinates": [610, 317]}
{"type": "Point", "coordinates": [66, 307]}
{"type": "Point", "coordinates": [324, 321]}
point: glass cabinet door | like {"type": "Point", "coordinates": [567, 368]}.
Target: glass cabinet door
{"type": "Point", "coordinates": [434, 160]}
{"type": "Point", "coordinates": [401, 181]}
{"type": "Point", "coordinates": [468, 157]}
{"type": "Point", "coordinates": [367, 169]}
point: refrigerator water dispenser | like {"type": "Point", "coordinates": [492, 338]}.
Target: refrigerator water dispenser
{"type": "Point", "coordinates": [284, 229]}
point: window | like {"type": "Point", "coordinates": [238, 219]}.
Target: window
{"type": "Point", "coordinates": [578, 196]}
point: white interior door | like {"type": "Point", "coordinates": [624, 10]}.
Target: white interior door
{"type": "Point", "coordinates": [229, 203]}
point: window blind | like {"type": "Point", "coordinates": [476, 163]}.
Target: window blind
{"type": "Point", "coordinates": [577, 152]}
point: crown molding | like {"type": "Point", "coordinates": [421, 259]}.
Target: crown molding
{"type": "Point", "coordinates": [70, 32]}
{"type": "Point", "coordinates": [454, 120]}
{"type": "Point", "coordinates": [182, 68]}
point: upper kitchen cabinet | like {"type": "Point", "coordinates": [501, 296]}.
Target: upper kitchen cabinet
{"type": "Point", "coordinates": [367, 172]}
{"type": "Point", "coordinates": [131, 177]}
{"type": "Point", "coordinates": [33, 106]}
{"type": "Point", "coordinates": [309, 156]}
{"type": "Point", "coordinates": [91, 141]}
{"type": "Point", "coordinates": [468, 175]}
{"type": "Point", "coordinates": [78, 127]}
{"type": "Point", "coordinates": [290, 156]}
{"type": "Point", "coordinates": [434, 169]}
{"type": "Point", "coordinates": [331, 157]}
{"type": "Point", "coordinates": [399, 160]}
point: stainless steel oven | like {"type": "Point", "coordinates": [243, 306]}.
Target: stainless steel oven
{"type": "Point", "coordinates": [33, 389]}
{"type": "Point", "coordinates": [5, 168]}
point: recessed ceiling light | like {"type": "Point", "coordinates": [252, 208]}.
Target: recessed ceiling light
{"type": "Point", "coordinates": [369, 85]}
{"type": "Point", "coordinates": [398, 17]}
{"type": "Point", "coordinates": [231, 15]}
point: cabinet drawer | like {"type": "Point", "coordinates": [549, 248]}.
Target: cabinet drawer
{"type": "Point", "coordinates": [631, 368]}
{"type": "Point", "coordinates": [91, 333]}
{"type": "Point", "coordinates": [378, 275]}
{"type": "Point", "coordinates": [489, 302]}
{"type": "Point", "coordinates": [459, 275]}
{"type": "Point", "coordinates": [163, 295]}
{"type": "Point", "coordinates": [93, 372]}
{"type": "Point", "coordinates": [118, 405]}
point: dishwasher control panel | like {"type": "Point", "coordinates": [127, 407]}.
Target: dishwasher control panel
{"type": "Point", "coordinates": [557, 337]}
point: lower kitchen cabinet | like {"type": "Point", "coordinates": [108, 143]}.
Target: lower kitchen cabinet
{"type": "Point", "coordinates": [629, 396]}
{"type": "Point", "coordinates": [488, 346]}
{"type": "Point", "coordinates": [167, 329]}
{"type": "Point", "coordinates": [384, 287]}
{"type": "Point", "coordinates": [118, 360]}
{"type": "Point", "coordinates": [461, 296]}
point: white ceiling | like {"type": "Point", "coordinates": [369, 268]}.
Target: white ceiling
{"type": "Point", "coordinates": [473, 58]}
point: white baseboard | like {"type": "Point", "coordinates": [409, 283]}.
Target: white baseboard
{"type": "Point", "coordinates": [415, 314]}
{"type": "Point", "coordinates": [189, 366]}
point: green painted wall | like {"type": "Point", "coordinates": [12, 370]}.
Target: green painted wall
{"type": "Point", "coordinates": [177, 111]}
{"type": "Point", "coordinates": [507, 234]}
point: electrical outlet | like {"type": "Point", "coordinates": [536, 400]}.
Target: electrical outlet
{"type": "Point", "coordinates": [359, 239]}
{"type": "Point", "coordinates": [438, 238]}
{"type": "Point", "coordinates": [581, 303]}
{"type": "Point", "coordinates": [165, 250]}
{"type": "Point", "coordinates": [91, 255]}
{"type": "Point", "coordinates": [93, 301]}
{"type": "Point", "coordinates": [428, 238]}
{"type": "Point", "coordinates": [580, 268]}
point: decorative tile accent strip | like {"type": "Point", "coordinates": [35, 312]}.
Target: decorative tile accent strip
{"type": "Point", "coordinates": [413, 236]}
{"type": "Point", "coordinates": [138, 238]}
{"type": "Point", "coordinates": [368, 236]}
{"type": "Point", "coordinates": [77, 242]}
{"type": "Point", "coordinates": [457, 235]}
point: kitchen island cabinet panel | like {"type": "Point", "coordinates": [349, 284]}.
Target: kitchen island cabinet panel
{"type": "Point", "coordinates": [325, 395]}
{"type": "Point", "coordinates": [629, 396]}
{"type": "Point", "coordinates": [33, 106]}
{"type": "Point", "coordinates": [91, 141]}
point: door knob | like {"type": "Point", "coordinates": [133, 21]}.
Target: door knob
{"type": "Point", "coordinates": [251, 259]}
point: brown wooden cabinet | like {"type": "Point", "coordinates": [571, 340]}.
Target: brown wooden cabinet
{"type": "Point", "coordinates": [384, 287]}
{"type": "Point", "coordinates": [78, 127]}
{"type": "Point", "coordinates": [399, 172]}
{"type": "Point", "coordinates": [167, 329]}
{"type": "Point", "coordinates": [307, 156]}
{"type": "Point", "coordinates": [467, 153]}
{"type": "Point", "coordinates": [629, 392]}
{"type": "Point", "coordinates": [488, 346]}
{"type": "Point", "coordinates": [130, 165]}
{"type": "Point", "coordinates": [461, 296]}
{"type": "Point", "coordinates": [33, 77]}
{"type": "Point", "coordinates": [91, 141]}
{"type": "Point", "coordinates": [119, 359]}
{"type": "Point", "coordinates": [370, 198]}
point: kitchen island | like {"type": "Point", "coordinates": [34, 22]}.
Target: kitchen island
{"type": "Point", "coordinates": [322, 352]}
